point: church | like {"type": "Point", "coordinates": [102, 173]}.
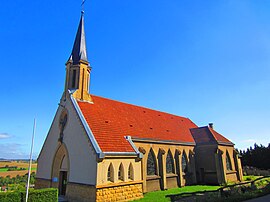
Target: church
{"type": "Point", "coordinates": [98, 149]}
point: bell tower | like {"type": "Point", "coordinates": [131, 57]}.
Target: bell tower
{"type": "Point", "coordinates": [78, 68]}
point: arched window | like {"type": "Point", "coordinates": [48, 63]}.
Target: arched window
{"type": "Point", "coordinates": [73, 78]}
{"type": "Point", "coordinates": [151, 163]}
{"type": "Point", "coordinates": [121, 172]}
{"type": "Point", "coordinates": [130, 172]}
{"type": "Point", "coordinates": [184, 163]}
{"type": "Point", "coordinates": [110, 173]}
{"type": "Point", "coordinates": [228, 162]}
{"type": "Point", "coordinates": [169, 163]}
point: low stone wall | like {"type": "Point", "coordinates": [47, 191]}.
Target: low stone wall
{"type": "Point", "coordinates": [153, 184]}
{"type": "Point", "coordinates": [88, 193]}
{"type": "Point", "coordinates": [80, 192]}
{"type": "Point", "coordinates": [249, 170]}
{"type": "Point", "coordinates": [172, 182]}
{"type": "Point", "coordinates": [231, 176]}
{"type": "Point", "coordinates": [119, 193]}
{"type": "Point", "coordinates": [42, 183]}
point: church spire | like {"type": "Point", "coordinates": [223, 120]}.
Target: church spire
{"type": "Point", "coordinates": [78, 68]}
{"type": "Point", "coordinates": [79, 47]}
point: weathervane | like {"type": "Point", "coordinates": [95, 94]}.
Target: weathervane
{"type": "Point", "coordinates": [83, 1]}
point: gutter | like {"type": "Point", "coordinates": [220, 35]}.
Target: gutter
{"type": "Point", "coordinates": [139, 154]}
{"type": "Point", "coordinates": [149, 140]}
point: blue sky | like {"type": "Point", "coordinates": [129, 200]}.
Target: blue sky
{"type": "Point", "coordinates": [206, 60]}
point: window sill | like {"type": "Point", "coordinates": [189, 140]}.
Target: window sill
{"type": "Point", "coordinates": [231, 172]}
{"type": "Point", "coordinates": [171, 175]}
{"type": "Point", "coordinates": [152, 177]}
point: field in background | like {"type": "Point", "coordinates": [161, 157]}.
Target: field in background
{"type": "Point", "coordinates": [18, 164]}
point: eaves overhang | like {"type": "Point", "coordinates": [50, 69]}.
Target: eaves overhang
{"type": "Point", "coordinates": [107, 154]}
{"type": "Point", "coordinates": [150, 140]}
{"type": "Point", "coordinates": [225, 143]}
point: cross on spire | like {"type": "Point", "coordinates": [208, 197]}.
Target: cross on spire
{"type": "Point", "coordinates": [83, 1]}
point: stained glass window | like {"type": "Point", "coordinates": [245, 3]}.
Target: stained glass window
{"type": "Point", "coordinates": [169, 163]}
{"type": "Point", "coordinates": [228, 162]}
{"type": "Point", "coordinates": [184, 163]}
{"type": "Point", "coordinates": [151, 164]}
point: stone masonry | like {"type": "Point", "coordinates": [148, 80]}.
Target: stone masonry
{"type": "Point", "coordinates": [119, 193]}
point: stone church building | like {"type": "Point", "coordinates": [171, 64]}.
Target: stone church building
{"type": "Point", "coordinates": [98, 149]}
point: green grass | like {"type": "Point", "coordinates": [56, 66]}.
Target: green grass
{"type": "Point", "coordinates": [6, 169]}
{"type": "Point", "coordinates": [250, 177]}
{"type": "Point", "coordinates": [159, 196]}
{"type": "Point", "coordinates": [3, 169]}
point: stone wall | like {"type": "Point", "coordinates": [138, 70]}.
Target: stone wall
{"type": "Point", "coordinates": [42, 183]}
{"type": "Point", "coordinates": [231, 176]}
{"type": "Point", "coordinates": [119, 193]}
{"type": "Point", "coordinates": [153, 184]}
{"type": "Point", "coordinates": [80, 192]}
{"type": "Point", "coordinates": [160, 151]}
{"type": "Point", "coordinates": [210, 177]}
{"type": "Point", "coordinates": [172, 182]}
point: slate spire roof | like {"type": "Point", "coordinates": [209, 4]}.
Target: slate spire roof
{"type": "Point", "coordinates": [79, 48]}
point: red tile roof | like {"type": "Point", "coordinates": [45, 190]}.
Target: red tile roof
{"type": "Point", "coordinates": [219, 137]}
{"type": "Point", "coordinates": [208, 135]}
{"type": "Point", "coordinates": [110, 121]}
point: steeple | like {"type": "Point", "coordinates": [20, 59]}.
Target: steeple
{"type": "Point", "coordinates": [78, 68]}
{"type": "Point", "coordinates": [79, 48]}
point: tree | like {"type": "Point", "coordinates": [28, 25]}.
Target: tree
{"type": "Point", "coordinates": [258, 157]}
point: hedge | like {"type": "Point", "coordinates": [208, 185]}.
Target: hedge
{"type": "Point", "coordinates": [39, 195]}
{"type": "Point", "coordinates": [10, 196]}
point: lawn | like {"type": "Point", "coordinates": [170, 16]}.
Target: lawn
{"type": "Point", "coordinates": [250, 177]}
{"type": "Point", "coordinates": [159, 196]}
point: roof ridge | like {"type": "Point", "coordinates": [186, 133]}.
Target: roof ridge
{"type": "Point", "coordinates": [211, 131]}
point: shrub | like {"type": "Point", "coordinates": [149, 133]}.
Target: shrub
{"type": "Point", "coordinates": [41, 195]}
{"type": "Point", "coordinates": [10, 197]}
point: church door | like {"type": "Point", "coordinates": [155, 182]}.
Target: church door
{"type": "Point", "coordinates": [62, 183]}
